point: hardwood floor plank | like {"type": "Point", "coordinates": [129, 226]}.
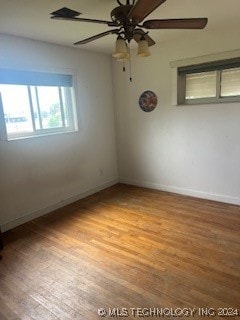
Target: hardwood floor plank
{"type": "Point", "coordinates": [122, 247]}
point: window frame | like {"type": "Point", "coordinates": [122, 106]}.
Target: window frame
{"type": "Point", "coordinates": [217, 66]}
{"type": "Point", "coordinates": [70, 94]}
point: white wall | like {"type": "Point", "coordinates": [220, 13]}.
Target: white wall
{"type": "Point", "coordinates": [40, 174]}
{"type": "Point", "coordinates": [192, 150]}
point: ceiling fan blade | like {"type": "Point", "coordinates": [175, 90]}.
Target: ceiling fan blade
{"type": "Point", "coordinates": [143, 8]}
{"type": "Point", "coordinates": [71, 15]}
{"type": "Point", "coordinates": [193, 23]}
{"type": "Point", "coordinates": [66, 12]}
{"type": "Point", "coordinates": [109, 23]}
{"type": "Point", "coordinates": [138, 34]}
{"type": "Point", "coordinates": [97, 36]}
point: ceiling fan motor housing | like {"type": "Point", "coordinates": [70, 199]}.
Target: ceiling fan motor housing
{"type": "Point", "coordinates": [119, 14]}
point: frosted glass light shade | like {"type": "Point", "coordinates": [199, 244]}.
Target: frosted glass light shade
{"type": "Point", "coordinates": [125, 57]}
{"type": "Point", "coordinates": [143, 50]}
{"type": "Point", "coordinates": [121, 50]}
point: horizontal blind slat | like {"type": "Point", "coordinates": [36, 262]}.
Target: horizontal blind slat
{"type": "Point", "coordinates": [34, 78]}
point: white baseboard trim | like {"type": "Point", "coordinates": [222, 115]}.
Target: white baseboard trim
{"type": "Point", "coordinates": [193, 193]}
{"type": "Point", "coordinates": [36, 214]}
{"type": "Point", "coordinates": [183, 191]}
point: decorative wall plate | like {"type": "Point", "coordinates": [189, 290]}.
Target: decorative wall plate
{"type": "Point", "coordinates": [148, 101]}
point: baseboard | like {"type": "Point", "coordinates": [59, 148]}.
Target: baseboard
{"type": "Point", "coordinates": [193, 193]}
{"type": "Point", "coordinates": [33, 215]}
{"type": "Point", "coordinates": [183, 191]}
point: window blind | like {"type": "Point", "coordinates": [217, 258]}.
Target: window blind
{"type": "Point", "coordinates": [230, 82]}
{"type": "Point", "coordinates": [31, 78]}
{"type": "Point", "coordinates": [201, 85]}
{"type": "Point", "coordinates": [210, 66]}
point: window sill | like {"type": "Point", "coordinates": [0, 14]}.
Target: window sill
{"type": "Point", "coordinates": [14, 138]}
{"type": "Point", "coordinates": [206, 101]}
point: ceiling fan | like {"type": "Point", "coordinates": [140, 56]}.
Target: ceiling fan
{"type": "Point", "coordinates": [126, 21]}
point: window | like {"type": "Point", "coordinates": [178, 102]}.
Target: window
{"type": "Point", "coordinates": [209, 82]}
{"type": "Point", "coordinates": [35, 103]}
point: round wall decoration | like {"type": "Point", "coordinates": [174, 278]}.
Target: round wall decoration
{"type": "Point", "coordinates": [148, 101]}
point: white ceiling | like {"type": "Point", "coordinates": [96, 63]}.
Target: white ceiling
{"type": "Point", "coordinates": [31, 19]}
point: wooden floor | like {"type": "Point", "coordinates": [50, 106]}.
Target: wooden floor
{"type": "Point", "coordinates": [125, 247]}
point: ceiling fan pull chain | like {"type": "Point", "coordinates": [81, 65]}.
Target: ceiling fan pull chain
{"type": "Point", "coordinates": [130, 64]}
{"type": "Point", "coordinates": [130, 70]}
{"type": "Point", "coordinates": [124, 66]}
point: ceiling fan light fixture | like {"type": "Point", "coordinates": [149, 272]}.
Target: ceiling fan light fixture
{"type": "Point", "coordinates": [121, 49]}
{"type": "Point", "coordinates": [143, 48]}
{"type": "Point", "coordinates": [124, 57]}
